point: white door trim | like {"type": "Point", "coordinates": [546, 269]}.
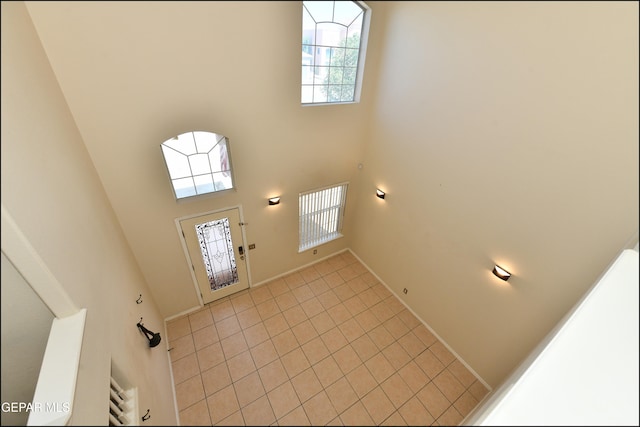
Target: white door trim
{"type": "Point", "coordinates": [185, 251]}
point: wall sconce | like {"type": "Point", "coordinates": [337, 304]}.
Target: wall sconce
{"type": "Point", "coordinates": [380, 193]}
{"type": "Point", "coordinates": [274, 201]}
{"type": "Point", "coordinates": [153, 337]}
{"type": "Point", "coordinates": [501, 273]}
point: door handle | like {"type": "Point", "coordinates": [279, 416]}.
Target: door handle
{"type": "Point", "coordinates": [240, 250]}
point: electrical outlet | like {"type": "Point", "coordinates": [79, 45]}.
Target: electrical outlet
{"type": "Point", "coordinates": [252, 246]}
{"type": "Point", "coordinates": [405, 290]}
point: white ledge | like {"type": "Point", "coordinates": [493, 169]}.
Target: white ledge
{"type": "Point", "coordinates": [585, 372]}
{"type": "Point", "coordinates": [53, 400]}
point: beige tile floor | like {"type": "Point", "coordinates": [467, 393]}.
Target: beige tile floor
{"type": "Point", "coordinates": [326, 345]}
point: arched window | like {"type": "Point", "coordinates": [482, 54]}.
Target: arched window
{"type": "Point", "coordinates": [198, 163]}
{"type": "Point", "coordinates": [334, 43]}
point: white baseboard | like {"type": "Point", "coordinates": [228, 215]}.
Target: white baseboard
{"type": "Point", "coordinates": [182, 313]}
{"type": "Point", "coordinates": [286, 273]}
{"type": "Point", "coordinates": [448, 347]}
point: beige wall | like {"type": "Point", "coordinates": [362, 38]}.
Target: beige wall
{"type": "Point", "coordinates": [135, 74]}
{"type": "Point", "coordinates": [503, 133]}
{"type": "Point", "coordinates": [52, 191]}
{"type": "Point", "coordinates": [26, 322]}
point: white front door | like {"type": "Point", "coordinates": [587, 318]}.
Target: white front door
{"type": "Point", "coordinates": [217, 253]}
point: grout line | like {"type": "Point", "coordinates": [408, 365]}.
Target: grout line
{"type": "Point", "coordinates": [331, 353]}
{"type": "Point", "coordinates": [466, 365]}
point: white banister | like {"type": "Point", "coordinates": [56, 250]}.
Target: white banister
{"type": "Point", "coordinates": [585, 372]}
{"type": "Point", "coordinates": [53, 399]}
{"type": "Point", "coordinates": [117, 387]}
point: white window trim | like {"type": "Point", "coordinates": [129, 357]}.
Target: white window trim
{"type": "Point", "coordinates": [364, 40]}
{"type": "Point", "coordinates": [362, 54]}
{"type": "Point", "coordinates": [171, 178]}
{"type": "Point", "coordinates": [303, 227]}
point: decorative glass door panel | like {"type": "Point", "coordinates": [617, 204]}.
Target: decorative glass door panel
{"type": "Point", "coordinates": [216, 251]}
{"type": "Point", "coordinates": [216, 245]}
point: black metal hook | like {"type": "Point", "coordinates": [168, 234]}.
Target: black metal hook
{"type": "Point", "coordinates": [139, 300]}
{"type": "Point", "coordinates": [153, 337]}
{"type": "Point", "coordinates": [146, 416]}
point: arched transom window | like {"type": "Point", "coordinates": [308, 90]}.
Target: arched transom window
{"type": "Point", "coordinates": [198, 163]}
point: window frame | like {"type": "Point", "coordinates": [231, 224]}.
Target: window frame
{"type": "Point", "coordinates": [362, 53]}
{"type": "Point", "coordinates": [303, 223]}
{"type": "Point", "coordinates": [220, 138]}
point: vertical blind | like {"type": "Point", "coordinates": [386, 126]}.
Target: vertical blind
{"type": "Point", "coordinates": [321, 213]}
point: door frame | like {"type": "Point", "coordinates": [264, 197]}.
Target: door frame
{"type": "Point", "coordinates": [188, 259]}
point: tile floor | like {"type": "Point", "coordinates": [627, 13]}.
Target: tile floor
{"type": "Point", "coordinates": [326, 345]}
